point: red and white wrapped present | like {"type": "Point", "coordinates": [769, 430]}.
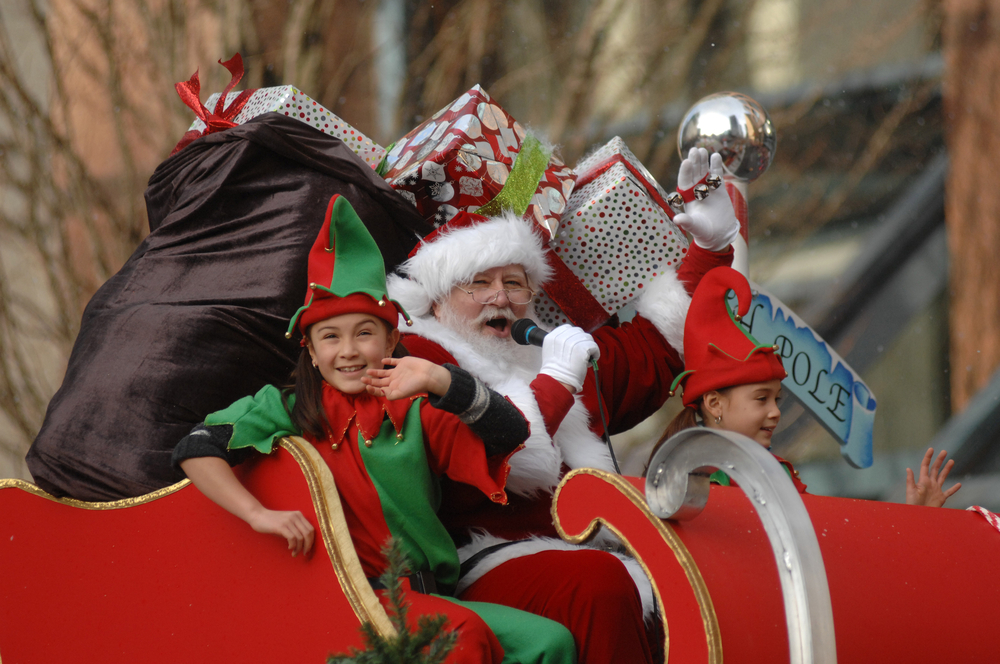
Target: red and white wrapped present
{"type": "Point", "coordinates": [615, 236]}
{"type": "Point", "coordinates": [473, 156]}
{"type": "Point", "coordinates": [290, 101]}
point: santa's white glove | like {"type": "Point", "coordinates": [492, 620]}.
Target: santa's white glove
{"type": "Point", "coordinates": [566, 354]}
{"type": "Point", "coordinates": [711, 222]}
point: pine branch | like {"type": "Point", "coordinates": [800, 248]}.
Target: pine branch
{"type": "Point", "coordinates": [430, 644]}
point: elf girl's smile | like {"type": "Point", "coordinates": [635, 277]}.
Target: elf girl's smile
{"type": "Point", "coordinates": [344, 347]}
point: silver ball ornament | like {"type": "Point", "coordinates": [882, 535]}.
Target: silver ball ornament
{"type": "Point", "coordinates": [735, 126]}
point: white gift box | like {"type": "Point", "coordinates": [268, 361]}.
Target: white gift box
{"type": "Point", "coordinates": [292, 102]}
{"type": "Point", "coordinates": [616, 234]}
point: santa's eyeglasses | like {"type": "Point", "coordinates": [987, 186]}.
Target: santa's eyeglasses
{"type": "Point", "coordinates": [490, 295]}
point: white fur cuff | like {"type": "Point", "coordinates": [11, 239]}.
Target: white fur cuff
{"type": "Point", "coordinates": [665, 303]}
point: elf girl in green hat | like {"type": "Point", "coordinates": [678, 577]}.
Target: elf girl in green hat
{"type": "Point", "coordinates": [733, 382]}
{"type": "Point", "coordinates": [385, 455]}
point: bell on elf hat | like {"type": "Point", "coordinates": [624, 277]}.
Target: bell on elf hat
{"type": "Point", "coordinates": [346, 272]}
{"type": "Point", "coordinates": [718, 351]}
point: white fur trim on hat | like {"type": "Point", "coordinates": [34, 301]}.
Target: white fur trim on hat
{"type": "Point", "coordinates": [455, 256]}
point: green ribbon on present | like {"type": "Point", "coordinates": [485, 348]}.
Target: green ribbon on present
{"type": "Point", "coordinates": [383, 165]}
{"type": "Point", "coordinates": [527, 171]}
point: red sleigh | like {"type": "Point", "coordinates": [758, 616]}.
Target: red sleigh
{"type": "Point", "coordinates": [170, 577]}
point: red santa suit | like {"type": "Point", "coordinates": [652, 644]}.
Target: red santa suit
{"type": "Point", "coordinates": [587, 590]}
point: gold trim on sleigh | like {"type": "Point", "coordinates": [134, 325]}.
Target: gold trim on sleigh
{"type": "Point", "coordinates": [329, 513]}
{"type": "Point", "coordinates": [670, 538]}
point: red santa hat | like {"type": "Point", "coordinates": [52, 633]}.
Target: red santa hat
{"type": "Point", "coordinates": [468, 244]}
{"type": "Point", "coordinates": [346, 272]}
{"type": "Point", "coordinates": [718, 351]}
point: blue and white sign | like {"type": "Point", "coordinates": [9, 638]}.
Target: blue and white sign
{"type": "Point", "coordinates": [817, 376]}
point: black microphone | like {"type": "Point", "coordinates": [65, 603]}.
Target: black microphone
{"type": "Point", "coordinates": [526, 332]}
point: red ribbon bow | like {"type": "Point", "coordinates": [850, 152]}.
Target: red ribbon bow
{"type": "Point", "coordinates": [222, 119]}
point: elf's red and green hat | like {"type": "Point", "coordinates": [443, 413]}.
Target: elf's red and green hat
{"type": "Point", "coordinates": [718, 351]}
{"type": "Point", "coordinates": [346, 272]}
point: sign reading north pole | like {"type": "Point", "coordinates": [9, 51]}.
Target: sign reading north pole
{"type": "Point", "coordinates": [817, 376]}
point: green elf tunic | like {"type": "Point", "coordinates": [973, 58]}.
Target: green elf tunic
{"type": "Point", "coordinates": [719, 477]}
{"type": "Point", "coordinates": [386, 458]}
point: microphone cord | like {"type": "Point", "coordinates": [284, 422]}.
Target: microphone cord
{"type": "Point", "coordinates": [604, 423]}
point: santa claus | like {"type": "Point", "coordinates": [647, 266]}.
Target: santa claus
{"type": "Point", "coordinates": [464, 286]}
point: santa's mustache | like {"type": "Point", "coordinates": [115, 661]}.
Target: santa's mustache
{"type": "Point", "coordinates": [490, 312]}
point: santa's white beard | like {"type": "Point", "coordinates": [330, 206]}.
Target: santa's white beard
{"type": "Point", "coordinates": [505, 353]}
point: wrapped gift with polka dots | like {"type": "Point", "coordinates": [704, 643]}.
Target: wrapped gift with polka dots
{"type": "Point", "coordinates": [473, 156]}
{"type": "Point", "coordinates": [615, 235]}
{"type": "Point", "coordinates": [290, 101]}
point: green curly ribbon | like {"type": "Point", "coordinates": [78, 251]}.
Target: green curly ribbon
{"type": "Point", "coordinates": [383, 166]}
{"type": "Point", "coordinates": [525, 174]}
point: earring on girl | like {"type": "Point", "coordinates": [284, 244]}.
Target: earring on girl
{"type": "Point", "coordinates": [315, 366]}
{"type": "Point", "coordinates": [718, 419]}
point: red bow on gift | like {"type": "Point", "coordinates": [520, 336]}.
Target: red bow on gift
{"type": "Point", "coordinates": [222, 119]}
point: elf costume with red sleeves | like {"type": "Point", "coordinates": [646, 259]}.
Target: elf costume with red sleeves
{"type": "Point", "coordinates": [387, 457]}
{"type": "Point", "coordinates": [600, 597]}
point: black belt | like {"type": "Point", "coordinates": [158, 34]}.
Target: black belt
{"type": "Point", "coordinates": [475, 559]}
{"type": "Point", "coordinates": [421, 582]}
